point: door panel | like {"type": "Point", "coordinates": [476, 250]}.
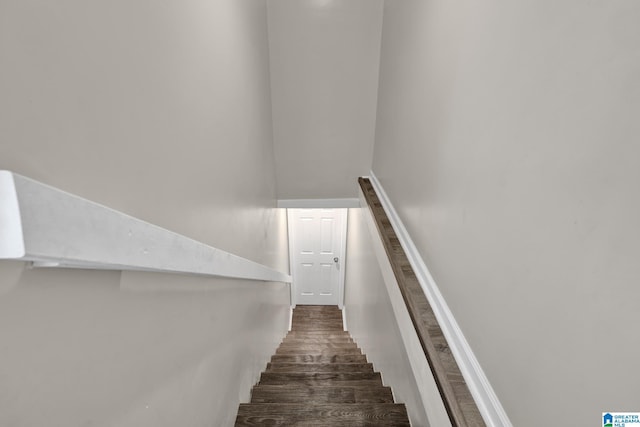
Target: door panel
{"type": "Point", "coordinates": [327, 226]}
{"type": "Point", "coordinates": [316, 242]}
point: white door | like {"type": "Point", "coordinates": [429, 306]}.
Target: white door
{"type": "Point", "coordinates": [317, 241]}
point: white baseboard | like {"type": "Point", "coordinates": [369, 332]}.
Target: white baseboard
{"type": "Point", "coordinates": [290, 317]}
{"type": "Point", "coordinates": [479, 386]}
{"type": "Point", "coordinates": [344, 318]}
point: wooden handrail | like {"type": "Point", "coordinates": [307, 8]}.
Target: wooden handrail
{"type": "Point", "coordinates": [458, 401]}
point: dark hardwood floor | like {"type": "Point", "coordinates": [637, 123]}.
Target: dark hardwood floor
{"type": "Point", "coordinates": [319, 377]}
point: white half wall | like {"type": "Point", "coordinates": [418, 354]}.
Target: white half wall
{"type": "Point", "coordinates": [371, 318]}
{"type": "Point", "coordinates": [324, 82]}
{"type": "Point", "coordinates": [506, 141]}
{"type": "Point", "coordinates": [53, 228]}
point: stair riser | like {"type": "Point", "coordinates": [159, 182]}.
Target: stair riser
{"type": "Point", "coordinates": [334, 335]}
{"type": "Point", "coordinates": [312, 321]}
{"type": "Point", "coordinates": [299, 339]}
{"type": "Point", "coordinates": [308, 358]}
{"type": "Point", "coordinates": [318, 316]}
{"type": "Point", "coordinates": [319, 346]}
{"type": "Point", "coordinates": [332, 325]}
{"type": "Point", "coordinates": [315, 350]}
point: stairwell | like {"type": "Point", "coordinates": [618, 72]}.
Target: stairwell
{"type": "Point", "coordinates": [319, 377]}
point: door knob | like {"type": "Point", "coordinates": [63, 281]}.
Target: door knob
{"type": "Point", "coordinates": [335, 259]}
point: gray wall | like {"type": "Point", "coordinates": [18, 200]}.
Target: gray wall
{"type": "Point", "coordinates": [324, 77]}
{"type": "Point", "coordinates": [161, 110]}
{"type": "Point", "coordinates": [506, 139]}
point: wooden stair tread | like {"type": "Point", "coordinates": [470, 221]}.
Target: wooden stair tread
{"type": "Point", "coordinates": [318, 340]}
{"type": "Point", "coordinates": [319, 345]}
{"type": "Point", "coordinates": [312, 307]}
{"type": "Point", "coordinates": [319, 358]}
{"type": "Point", "coordinates": [332, 335]}
{"type": "Point", "coordinates": [319, 367]}
{"type": "Point", "coordinates": [316, 318]}
{"type": "Point", "coordinates": [297, 325]}
{"type": "Point", "coordinates": [320, 394]}
{"type": "Point", "coordinates": [318, 313]}
{"type": "Point", "coordinates": [318, 334]}
{"type": "Point", "coordinates": [299, 414]}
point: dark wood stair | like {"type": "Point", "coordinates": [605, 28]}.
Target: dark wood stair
{"type": "Point", "coordinates": [319, 377]}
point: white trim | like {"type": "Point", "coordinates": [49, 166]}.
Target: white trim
{"type": "Point", "coordinates": [290, 232]}
{"type": "Point", "coordinates": [318, 203]}
{"type": "Point", "coordinates": [344, 318]}
{"type": "Point", "coordinates": [58, 229]}
{"type": "Point", "coordinates": [290, 318]}
{"type": "Point", "coordinates": [343, 215]}
{"type": "Point", "coordinates": [479, 386]}
{"type": "Point", "coordinates": [343, 253]}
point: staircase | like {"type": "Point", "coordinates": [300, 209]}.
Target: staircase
{"type": "Point", "coordinates": [319, 377]}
